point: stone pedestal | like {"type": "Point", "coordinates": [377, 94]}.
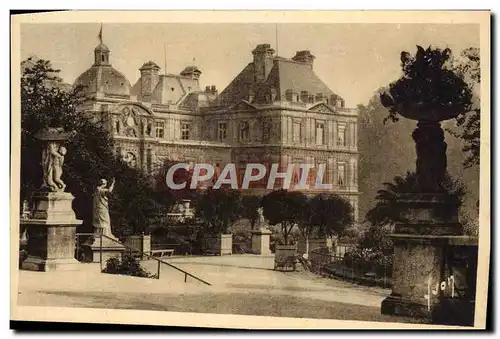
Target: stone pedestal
{"type": "Point", "coordinates": [260, 241]}
{"type": "Point", "coordinates": [141, 243]}
{"type": "Point", "coordinates": [218, 245]}
{"type": "Point", "coordinates": [94, 251]}
{"type": "Point", "coordinates": [51, 231]}
{"type": "Point", "coordinates": [421, 278]}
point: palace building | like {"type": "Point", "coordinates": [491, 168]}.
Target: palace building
{"type": "Point", "coordinates": [276, 110]}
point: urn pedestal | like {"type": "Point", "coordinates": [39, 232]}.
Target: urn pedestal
{"type": "Point", "coordinates": [260, 241]}
{"type": "Point", "coordinates": [100, 249]}
{"type": "Point", "coordinates": [423, 280]}
{"type": "Point", "coordinates": [51, 232]}
{"type": "Point", "coordinates": [218, 245]}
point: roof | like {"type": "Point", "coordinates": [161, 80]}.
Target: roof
{"type": "Point", "coordinates": [170, 89]}
{"type": "Point", "coordinates": [149, 64]}
{"type": "Point", "coordinates": [104, 78]}
{"type": "Point", "coordinates": [190, 69]}
{"type": "Point", "coordinates": [284, 75]}
{"type": "Point", "coordinates": [297, 77]}
{"type": "Point", "coordinates": [102, 47]}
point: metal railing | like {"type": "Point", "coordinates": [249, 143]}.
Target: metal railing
{"type": "Point", "coordinates": [348, 269]}
{"type": "Point", "coordinates": [134, 250]}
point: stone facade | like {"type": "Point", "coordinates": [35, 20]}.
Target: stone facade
{"type": "Point", "coordinates": [276, 110]}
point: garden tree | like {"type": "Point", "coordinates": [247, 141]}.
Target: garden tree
{"type": "Point", "coordinates": [387, 209]}
{"type": "Point", "coordinates": [136, 205]}
{"type": "Point", "coordinates": [217, 209]}
{"type": "Point", "coordinates": [330, 214]}
{"type": "Point", "coordinates": [285, 208]}
{"type": "Point", "coordinates": [180, 176]}
{"type": "Point", "coordinates": [377, 143]}
{"type": "Point", "coordinates": [468, 123]}
{"type": "Point", "coordinates": [250, 205]}
{"type": "Point", "coordinates": [325, 215]}
{"type": "Point", "coordinates": [47, 102]}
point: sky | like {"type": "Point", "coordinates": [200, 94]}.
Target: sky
{"type": "Point", "coordinates": [354, 60]}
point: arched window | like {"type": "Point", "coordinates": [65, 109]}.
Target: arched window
{"type": "Point", "coordinates": [103, 58]}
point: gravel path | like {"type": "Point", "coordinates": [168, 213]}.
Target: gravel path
{"type": "Point", "coordinates": [244, 285]}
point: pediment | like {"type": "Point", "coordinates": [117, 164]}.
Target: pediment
{"type": "Point", "coordinates": [134, 109]}
{"type": "Point", "coordinates": [322, 108]}
{"type": "Point", "coordinates": [242, 106]}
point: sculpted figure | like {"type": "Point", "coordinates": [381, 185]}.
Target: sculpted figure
{"type": "Point", "coordinates": [261, 222]}
{"type": "Point", "coordinates": [52, 162]}
{"type": "Point", "coordinates": [57, 171]}
{"type": "Point", "coordinates": [101, 220]}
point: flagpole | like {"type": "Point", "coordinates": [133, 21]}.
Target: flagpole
{"type": "Point", "coordinates": [277, 46]}
{"type": "Point", "coordinates": [100, 34]}
{"type": "Point", "coordinates": [165, 56]}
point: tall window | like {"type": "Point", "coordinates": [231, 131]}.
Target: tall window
{"type": "Point", "coordinates": [244, 131]}
{"type": "Point", "coordinates": [341, 135]}
{"type": "Point", "coordinates": [185, 129]}
{"type": "Point", "coordinates": [320, 133]}
{"type": "Point", "coordinates": [341, 175]}
{"type": "Point", "coordinates": [160, 129]}
{"type": "Point", "coordinates": [354, 172]}
{"type": "Point", "coordinates": [222, 131]}
{"type": "Point", "coordinates": [296, 131]}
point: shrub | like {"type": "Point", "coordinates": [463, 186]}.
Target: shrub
{"type": "Point", "coordinates": [127, 266]}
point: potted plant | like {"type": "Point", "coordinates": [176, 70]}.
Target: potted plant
{"type": "Point", "coordinates": [284, 208]}
{"type": "Point", "coordinates": [217, 210]}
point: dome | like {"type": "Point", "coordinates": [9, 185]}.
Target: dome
{"type": "Point", "coordinates": [192, 72]}
{"type": "Point", "coordinates": [104, 78]}
{"type": "Point", "coordinates": [101, 47]}
{"type": "Point", "coordinates": [149, 65]}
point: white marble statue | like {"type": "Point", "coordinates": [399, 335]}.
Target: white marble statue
{"type": "Point", "coordinates": [261, 221]}
{"type": "Point", "coordinates": [101, 220]}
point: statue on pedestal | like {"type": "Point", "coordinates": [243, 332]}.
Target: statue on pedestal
{"type": "Point", "coordinates": [49, 227]}
{"type": "Point", "coordinates": [101, 220]}
{"type": "Point", "coordinates": [261, 224]}
{"type": "Point", "coordinates": [53, 158]}
{"type": "Point", "coordinates": [261, 235]}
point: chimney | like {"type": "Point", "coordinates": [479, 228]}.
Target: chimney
{"type": "Point", "coordinates": [263, 56]}
{"type": "Point", "coordinates": [149, 78]}
{"type": "Point", "coordinates": [304, 57]}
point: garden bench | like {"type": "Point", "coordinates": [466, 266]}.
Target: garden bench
{"type": "Point", "coordinates": [162, 253]}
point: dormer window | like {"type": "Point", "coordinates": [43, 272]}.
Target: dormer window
{"type": "Point", "coordinates": [172, 89]}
